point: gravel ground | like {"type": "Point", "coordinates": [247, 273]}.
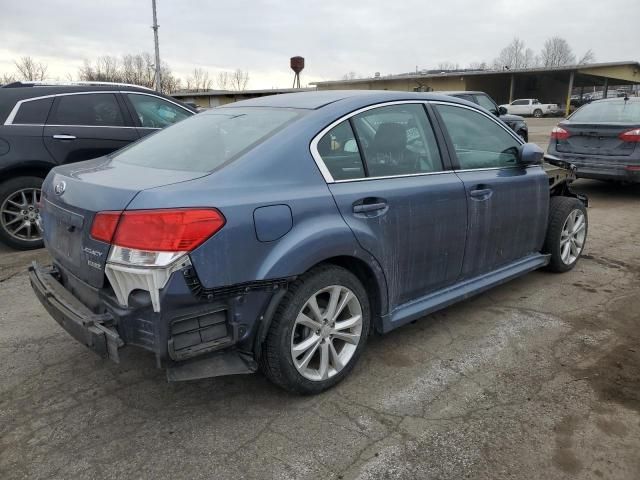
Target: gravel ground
{"type": "Point", "coordinates": [536, 379]}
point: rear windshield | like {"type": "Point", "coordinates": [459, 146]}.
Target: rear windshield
{"type": "Point", "coordinates": [207, 141]}
{"type": "Point", "coordinates": [616, 111]}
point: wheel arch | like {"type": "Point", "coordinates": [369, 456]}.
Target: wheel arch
{"type": "Point", "coordinates": [27, 169]}
{"type": "Point", "coordinates": [369, 273]}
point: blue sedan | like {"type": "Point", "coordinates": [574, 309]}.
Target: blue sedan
{"type": "Point", "coordinates": [277, 234]}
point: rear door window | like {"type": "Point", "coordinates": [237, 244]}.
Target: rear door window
{"type": "Point", "coordinates": [33, 112]}
{"type": "Point", "coordinates": [339, 152]}
{"type": "Point", "coordinates": [205, 142]}
{"type": "Point", "coordinates": [479, 141]}
{"type": "Point", "coordinates": [92, 109]}
{"type": "Point", "coordinates": [155, 112]}
{"type": "Point", "coordinates": [397, 140]}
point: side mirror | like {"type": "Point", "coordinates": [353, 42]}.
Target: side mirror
{"type": "Point", "coordinates": [530, 154]}
{"type": "Point", "coordinates": [502, 110]}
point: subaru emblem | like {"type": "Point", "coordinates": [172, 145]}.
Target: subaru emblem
{"type": "Point", "coordinates": [60, 188]}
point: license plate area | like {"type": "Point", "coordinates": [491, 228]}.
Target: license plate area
{"type": "Point", "coordinates": [65, 237]}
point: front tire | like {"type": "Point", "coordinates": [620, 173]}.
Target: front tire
{"type": "Point", "coordinates": [566, 233]}
{"type": "Point", "coordinates": [537, 113]}
{"type": "Point", "coordinates": [318, 332]}
{"type": "Point", "coordinates": [19, 213]}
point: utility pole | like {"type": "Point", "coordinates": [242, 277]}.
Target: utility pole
{"type": "Point", "coordinates": [155, 38]}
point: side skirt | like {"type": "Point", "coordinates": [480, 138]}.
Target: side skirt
{"type": "Point", "coordinates": [447, 296]}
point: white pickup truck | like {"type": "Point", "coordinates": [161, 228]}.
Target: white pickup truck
{"type": "Point", "coordinates": [531, 106]}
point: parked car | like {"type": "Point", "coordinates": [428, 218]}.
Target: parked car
{"type": "Point", "coordinates": [278, 232]}
{"type": "Point", "coordinates": [532, 107]}
{"type": "Point", "coordinates": [43, 125]}
{"type": "Point", "coordinates": [602, 139]}
{"type": "Point", "coordinates": [515, 122]}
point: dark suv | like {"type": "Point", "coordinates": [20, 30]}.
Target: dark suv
{"type": "Point", "coordinates": [515, 122]}
{"type": "Point", "coordinates": [44, 125]}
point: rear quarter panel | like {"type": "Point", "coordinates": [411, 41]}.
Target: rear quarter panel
{"type": "Point", "coordinates": [281, 171]}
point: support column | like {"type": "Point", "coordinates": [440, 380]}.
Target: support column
{"type": "Point", "coordinates": [567, 109]}
{"type": "Point", "coordinates": [512, 87]}
{"type": "Point", "coordinates": [606, 88]}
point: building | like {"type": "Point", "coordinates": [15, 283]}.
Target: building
{"type": "Point", "coordinates": [549, 85]}
{"type": "Point", "coordinates": [215, 98]}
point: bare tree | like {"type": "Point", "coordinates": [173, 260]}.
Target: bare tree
{"type": "Point", "coordinates": [199, 80]}
{"type": "Point", "coordinates": [239, 80]}
{"type": "Point", "coordinates": [223, 80]}
{"type": "Point", "coordinates": [478, 66]}
{"type": "Point", "coordinates": [444, 66]}
{"type": "Point", "coordinates": [515, 55]}
{"type": "Point", "coordinates": [137, 69]}
{"type": "Point", "coordinates": [588, 57]}
{"type": "Point", "coordinates": [349, 76]}
{"type": "Point", "coordinates": [556, 53]}
{"type": "Point", "coordinates": [7, 78]}
{"type": "Point", "coordinates": [30, 70]}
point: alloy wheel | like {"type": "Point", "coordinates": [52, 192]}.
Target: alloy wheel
{"type": "Point", "coordinates": [326, 333]}
{"type": "Point", "coordinates": [572, 237]}
{"type": "Point", "coordinates": [20, 215]}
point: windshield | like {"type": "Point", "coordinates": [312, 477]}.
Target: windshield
{"type": "Point", "coordinates": [616, 111]}
{"type": "Point", "coordinates": [207, 141]}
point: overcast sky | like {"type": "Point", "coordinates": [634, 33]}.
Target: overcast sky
{"type": "Point", "coordinates": [334, 36]}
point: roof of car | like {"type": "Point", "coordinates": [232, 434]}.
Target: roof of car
{"type": "Point", "coordinates": [319, 99]}
{"type": "Point", "coordinates": [460, 92]}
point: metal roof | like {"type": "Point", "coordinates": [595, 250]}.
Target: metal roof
{"type": "Point", "coordinates": [465, 73]}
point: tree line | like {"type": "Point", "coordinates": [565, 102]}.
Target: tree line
{"type": "Point", "coordinates": [136, 69]}
{"type": "Point", "coordinates": [556, 52]}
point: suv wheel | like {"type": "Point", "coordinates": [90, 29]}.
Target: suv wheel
{"type": "Point", "coordinates": [537, 113]}
{"type": "Point", "coordinates": [318, 332]}
{"type": "Point", "coordinates": [19, 213]}
{"type": "Point", "coordinates": [566, 233]}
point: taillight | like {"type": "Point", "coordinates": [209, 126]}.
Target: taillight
{"type": "Point", "coordinates": [149, 245]}
{"type": "Point", "coordinates": [559, 133]}
{"type": "Point", "coordinates": [104, 226]}
{"type": "Point", "coordinates": [162, 230]}
{"type": "Point", "coordinates": [630, 135]}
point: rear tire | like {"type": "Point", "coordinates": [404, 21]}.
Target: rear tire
{"type": "Point", "coordinates": [19, 215]}
{"type": "Point", "coordinates": [566, 233]}
{"type": "Point", "coordinates": [306, 350]}
{"type": "Point", "coordinates": [537, 113]}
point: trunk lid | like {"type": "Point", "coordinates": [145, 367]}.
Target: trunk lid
{"type": "Point", "coordinates": [596, 139]}
{"type": "Point", "coordinates": [72, 194]}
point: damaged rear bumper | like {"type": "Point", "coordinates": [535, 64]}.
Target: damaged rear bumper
{"type": "Point", "coordinates": [94, 331]}
{"type": "Point", "coordinates": [197, 334]}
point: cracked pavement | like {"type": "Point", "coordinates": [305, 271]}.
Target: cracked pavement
{"type": "Point", "coordinates": [536, 379]}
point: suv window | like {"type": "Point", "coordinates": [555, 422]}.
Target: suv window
{"type": "Point", "coordinates": [93, 109]}
{"type": "Point", "coordinates": [479, 142]}
{"type": "Point", "coordinates": [154, 112]}
{"type": "Point", "coordinates": [486, 102]}
{"type": "Point", "coordinates": [33, 112]}
{"type": "Point", "coordinates": [397, 140]}
{"type": "Point", "coordinates": [339, 152]}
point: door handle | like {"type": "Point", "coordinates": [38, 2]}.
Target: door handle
{"type": "Point", "coordinates": [481, 193]}
{"type": "Point", "coordinates": [64, 137]}
{"type": "Point", "coordinates": [369, 207]}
